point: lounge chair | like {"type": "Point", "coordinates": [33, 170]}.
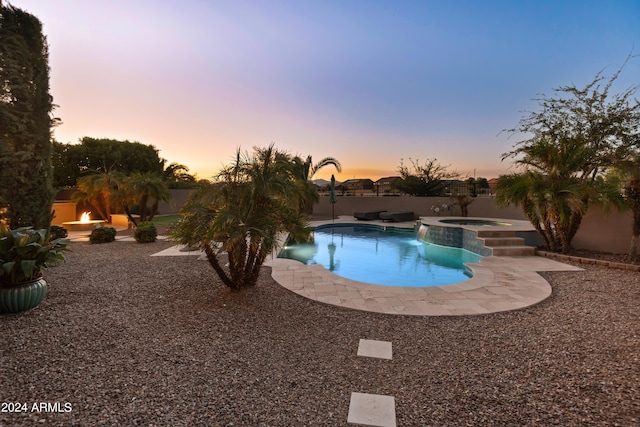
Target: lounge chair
{"type": "Point", "coordinates": [368, 215]}
{"type": "Point", "coordinates": [397, 216]}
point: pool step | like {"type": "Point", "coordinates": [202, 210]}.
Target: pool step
{"type": "Point", "coordinates": [496, 233]}
{"type": "Point", "coordinates": [492, 242]}
{"type": "Point", "coordinates": [505, 243]}
{"type": "Point", "coordinates": [514, 251]}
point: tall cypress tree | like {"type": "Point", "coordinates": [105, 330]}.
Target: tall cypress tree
{"type": "Point", "coordinates": [26, 192]}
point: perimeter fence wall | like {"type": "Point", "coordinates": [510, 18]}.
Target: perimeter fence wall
{"type": "Point", "coordinates": [598, 231]}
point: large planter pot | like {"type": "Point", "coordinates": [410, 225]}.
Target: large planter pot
{"type": "Point", "coordinates": [22, 297]}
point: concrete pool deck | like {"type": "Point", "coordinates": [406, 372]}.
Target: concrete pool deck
{"type": "Point", "coordinates": [499, 283]}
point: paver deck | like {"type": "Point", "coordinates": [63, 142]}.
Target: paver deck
{"type": "Point", "coordinates": [498, 284]}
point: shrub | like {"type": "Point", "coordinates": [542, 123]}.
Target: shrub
{"type": "Point", "coordinates": [58, 232]}
{"type": "Point", "coordinates": [103, 235]}
{"type": "Point", "coordinates": [146, 232]}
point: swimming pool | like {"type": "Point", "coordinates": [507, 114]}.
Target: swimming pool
{"type": "Point", "coordinates": [389, 257]}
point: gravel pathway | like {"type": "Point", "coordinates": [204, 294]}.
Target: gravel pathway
{"type": "Point", "coordinates": [127, 339]}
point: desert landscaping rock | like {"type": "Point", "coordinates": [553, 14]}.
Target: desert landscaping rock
{"type": "Point", "coordinates": [128, 339]}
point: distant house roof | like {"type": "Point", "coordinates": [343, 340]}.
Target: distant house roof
{"type": "Point", "coordinates": [323, 182]}
{"type": "Point", "coordinates": [388, 180]}
{"type": "Point", "coordinates": [358, 184]}
{"type": "Point", "coordinates": [357, 181]}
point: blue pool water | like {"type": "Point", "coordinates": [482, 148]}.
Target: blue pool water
{"type": "Point", "coordinates": [382, 257]}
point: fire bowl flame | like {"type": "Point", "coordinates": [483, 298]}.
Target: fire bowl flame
{"type": "Point", "coordinates": [84, 224]}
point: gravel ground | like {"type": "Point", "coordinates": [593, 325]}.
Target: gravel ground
{"type": "Point", "coordinates": [127, 339]}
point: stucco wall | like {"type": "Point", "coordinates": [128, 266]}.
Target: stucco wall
{"type": "Point", "coordinates": [64, 212]}
{"type": "Point", "coordinates": [609, 233]}
{"type": "Point", "coordinates": [421, 206]}
{"type": "Point", "coordinates": [178, 199]}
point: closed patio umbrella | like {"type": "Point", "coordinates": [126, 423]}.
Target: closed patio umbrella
{"type": "Point", "coordinates": [332, 196]}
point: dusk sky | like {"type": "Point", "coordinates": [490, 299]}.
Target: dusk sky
{"type": "Point", "coordinates": [367, 82]}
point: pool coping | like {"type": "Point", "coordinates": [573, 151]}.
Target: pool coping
{"type": "Point", "coordinates": [510, 224]}
{"type": "Point", "coordinates": [498, 284]}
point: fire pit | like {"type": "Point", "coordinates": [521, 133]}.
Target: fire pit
{"type": "Point", "coordinates": [84, 224]}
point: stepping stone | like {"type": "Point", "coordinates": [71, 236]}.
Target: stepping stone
{"type": "Point", "coordinates": [175, 251]}
{"type": "Point", "coordinates": [372, 410]}
{"type": "Point", "coordinates": [372, 348]}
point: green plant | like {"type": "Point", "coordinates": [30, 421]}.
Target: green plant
{"type": "Point", "coordinates": [463, 201]}
{"type": "Point", "coordinates": [254, 200]}
{"type": "Point", "coordinates": [25, 252]}
{"type": "Point", "coordinates": [73, 160]}
{"type": "Point", "coordinates": [58, 232]}
{"type": "Point", "coordinates": [103, 235]}
{"type": "Point", "coordinates": [572, 141]}
{"type": "Point", "coordinates": [97, 189]}
{"type": "Point", "coordinates": [146, 232]}
{"type": "Point", "coordinates": [26, 121]}
{"type": "Point", "coordinates": [424, 180]}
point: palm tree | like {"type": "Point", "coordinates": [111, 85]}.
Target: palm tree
{"type": "Point", "coordinates": [311, 168]}
{"type": "Point", "coordinates": [304, 172]}
{"type": "Point", "coordinates": [111, 191]}
{"type": "Point", "coordinates": [553, 192]}
{"type": "Point", "coordinates": [254, 201]}
{"type": "Point", "coordinates": [147, 186]}
{"type": "Point", "coordinates": [177, 176]}
{"type": "Point", "coordinates": [554, 207]}
{"type": "Point", "coordinates": [97, 189]}
{"type": "Point", "coordinates": [123, 198]}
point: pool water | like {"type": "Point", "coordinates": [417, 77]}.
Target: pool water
{"type": "Point", "coordinates": [383, 257]}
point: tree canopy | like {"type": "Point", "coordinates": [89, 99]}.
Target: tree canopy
{"type": "Point", "coordinates": [72, 161]}
{"type": "Point", "coordinates": [26, 192]}
{"type": "Point", "coordinates": [572, 140]}
{"type": "Point", "coordinates": [424, 179]}
{"type": "Point", "coordinates": [605, 124]}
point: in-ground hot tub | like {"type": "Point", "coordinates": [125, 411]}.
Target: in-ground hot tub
{"type": "Point", "coordinates": [469, 233]}
{"type": "Point", "coordinates": [475, 222]}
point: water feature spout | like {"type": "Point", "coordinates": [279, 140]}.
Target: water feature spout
{"type": "Point", "coordinates": [422, 232]}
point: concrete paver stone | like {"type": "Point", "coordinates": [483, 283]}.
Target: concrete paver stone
{"type": "Point", "coordinates": [373, 348]}
{"type": "Point", "coordinates": [372, 410]}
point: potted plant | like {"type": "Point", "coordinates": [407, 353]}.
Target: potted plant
{"type": "Point", "coordinates": [24, 253]}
